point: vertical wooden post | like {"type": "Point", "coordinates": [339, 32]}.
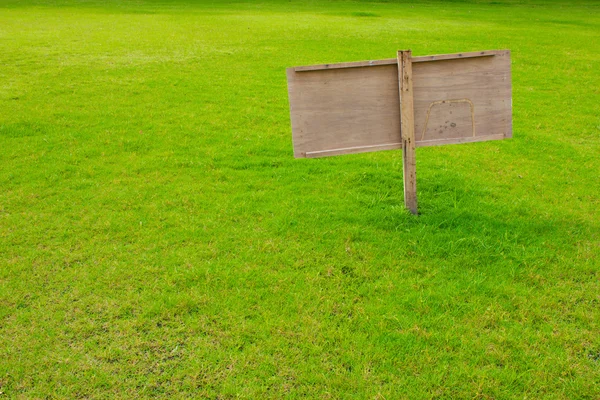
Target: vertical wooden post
{"type": "Point", "coordinates": [407, 127]}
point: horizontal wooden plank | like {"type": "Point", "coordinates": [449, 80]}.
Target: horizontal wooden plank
{"type": "Point", "coordinates": [438, 142]}
{"type": "Point", "coordinates": [393, 61]}
{"type": "Point", "coordinates": [353, 150]}
{"type": "Point", "coordinates": [472, 54]}
{"type": "Point", "coordinates": [353, 64]}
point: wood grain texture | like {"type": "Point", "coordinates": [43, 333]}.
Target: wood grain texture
{"type": "Point", "coordinates": [458, 98]}
{"type": "Point", "coordinates": [353, 109]}
{"type": "Point", "coordinates": [463, 98]}
{"type": "Point", "coordinates": [407, 123]}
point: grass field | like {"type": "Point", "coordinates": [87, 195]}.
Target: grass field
{"type": "Point", "coordinates": [158, 239]}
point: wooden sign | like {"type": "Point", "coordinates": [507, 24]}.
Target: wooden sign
{"type": "Point", "coordinates": [400, 103]}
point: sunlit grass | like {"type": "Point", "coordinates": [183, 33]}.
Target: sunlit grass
{"type": "Point", "coordinates": [158, 239]}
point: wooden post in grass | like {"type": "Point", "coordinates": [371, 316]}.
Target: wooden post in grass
{"type": "Point", "coordinates": [407, 129]}
{"type": "Point", "coordinates": [400, 103]}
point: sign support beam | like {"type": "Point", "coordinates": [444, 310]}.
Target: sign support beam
{"type": "Point", "coordinates": [407, 129]}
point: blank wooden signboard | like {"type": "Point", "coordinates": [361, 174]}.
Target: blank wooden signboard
{"type": "Point", "coordinates": [344, 110]}
{"type": "Point", "coordinates": [354, 107]}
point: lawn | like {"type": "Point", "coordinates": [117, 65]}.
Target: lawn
{"type": "Point", "coordinates": [158, 239]}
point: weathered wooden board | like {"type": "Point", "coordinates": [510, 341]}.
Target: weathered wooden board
{"type": "Point", "coordinates": [354, 107]}
{"type": "Point", "coordinates": [344, 110]}
{"type": "Point", "coordinates": [463, 100]}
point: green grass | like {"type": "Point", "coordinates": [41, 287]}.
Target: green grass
{"type": "Point", "coordinates": [158, 239]}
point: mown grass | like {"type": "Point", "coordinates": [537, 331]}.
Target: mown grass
{"type": "Point", "coordinates": [157, 238]}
